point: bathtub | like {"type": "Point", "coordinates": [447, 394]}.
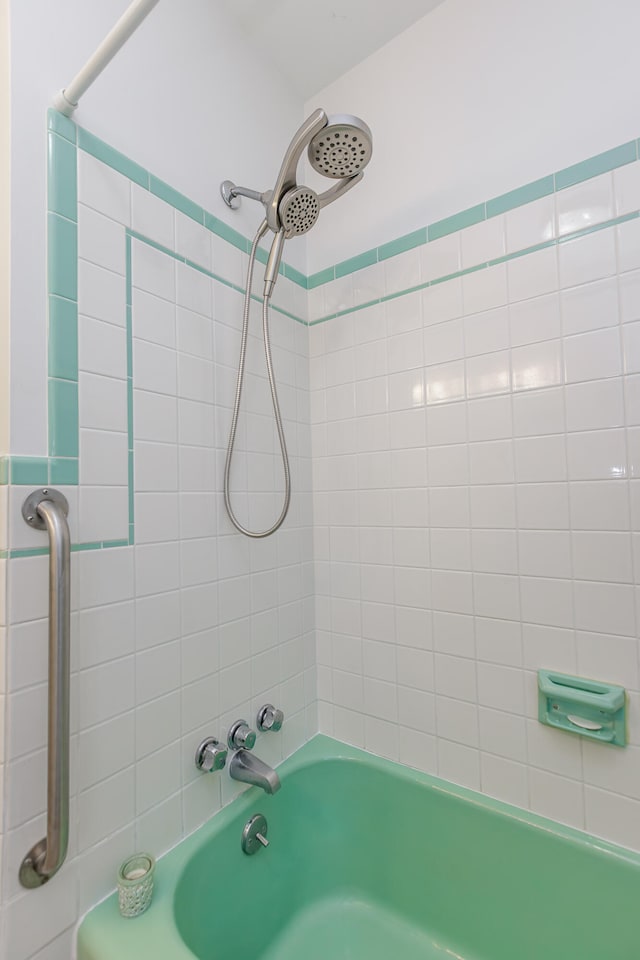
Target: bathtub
{"type": "Point", "coordinates": [368, 859]}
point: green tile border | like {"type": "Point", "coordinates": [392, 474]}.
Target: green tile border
{"type": "Point", "coordinates": [65, 137]}
{"type": "Point", "coordinates": [58, 123]}
{"type": "Point", "coordinates": [113, 158]}
{"type": "Point", "coordinates": [61, 467]}
{"type": "Point", "coordinates": [167, 193]}
{"type": "Point", "coordinates": [607, 224]}
{"type": "Point", "coordinates": [30, 470]}
{"type": "Point", "coordinates": [544, 186]}
{"type": "Point", "coordinates": [37, 471]}
{"type": "Point", "coordinates": [521, 195]}
{"type": "Point", "coordinates": [21, 552]}
{"type": "Point", "coordinates": [134, 235]}
{"type": "Point", "coordinates": [594, 166]}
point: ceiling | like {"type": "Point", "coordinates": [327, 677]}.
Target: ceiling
{"type": "Point", "coordinates": [313, 43]}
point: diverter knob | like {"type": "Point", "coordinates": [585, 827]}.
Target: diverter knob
{"type": "Point", "coordinates": [270, 718]}
{"type": "Point", "coordinates": [241, 736]}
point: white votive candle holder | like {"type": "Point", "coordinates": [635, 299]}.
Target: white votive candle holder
{"type": "Point", "coordinates": [135, 884]}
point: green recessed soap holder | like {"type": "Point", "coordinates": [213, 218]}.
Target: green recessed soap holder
{"type": "Point", "coordinates": [592, 709]}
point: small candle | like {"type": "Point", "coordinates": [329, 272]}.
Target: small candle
{"type": "Point", "coordinates": [135, 884]}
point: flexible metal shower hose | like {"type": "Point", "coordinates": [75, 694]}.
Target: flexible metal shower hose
{"type": "Point", "coordinates": [274, 397]}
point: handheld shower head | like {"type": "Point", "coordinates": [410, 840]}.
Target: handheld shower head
{"type": "Point", "coordinates": [298, 211]}
{"type": "Point", "coordinates": [339, 147]}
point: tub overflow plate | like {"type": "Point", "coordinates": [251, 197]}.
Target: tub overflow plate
{"type": "Point", "coordinates": [254, 834]}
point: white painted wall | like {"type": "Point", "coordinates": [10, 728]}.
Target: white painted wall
{"type": "Point", "coordinates": [474, 100]}
{"type": "Point", "coordinates": [5, 210]}
{"type": "Point", "coordinates": [189, 98]}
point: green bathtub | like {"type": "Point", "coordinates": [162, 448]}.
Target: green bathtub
{"type": "Point", "coordinates": [368, 859]}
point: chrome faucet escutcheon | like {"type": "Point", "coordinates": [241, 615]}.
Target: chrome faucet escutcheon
{"type": "Point", "coordinates": [211, 755]}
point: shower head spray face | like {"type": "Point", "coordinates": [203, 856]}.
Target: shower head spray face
{"type": "Point", "coordinates": [342, 149]}
{"type": "Point", "coordinates": [298, 211]}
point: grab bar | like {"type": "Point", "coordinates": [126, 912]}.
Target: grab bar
{"type": "Point", "coordinates": [47, 509]}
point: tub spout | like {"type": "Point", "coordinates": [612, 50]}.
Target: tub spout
{"type": "Point", "coordinates": [248, 768]}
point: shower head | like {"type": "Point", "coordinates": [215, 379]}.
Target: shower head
{"type": "Point", "coordinates": [343, 148]}
{"type": "Point", "coordinates": [339, 147]}
{"type": "Point", "coordinates": [298, 211]}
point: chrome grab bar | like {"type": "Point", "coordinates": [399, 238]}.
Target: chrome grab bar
{"type": "Point", "coordinates": [47, 509]}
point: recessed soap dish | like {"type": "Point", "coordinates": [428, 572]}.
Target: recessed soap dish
{"type": "Point", "coordinates": [587, 707]}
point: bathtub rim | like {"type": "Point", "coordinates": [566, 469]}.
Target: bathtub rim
{"type": "Point", "coordinates": [103, 934]}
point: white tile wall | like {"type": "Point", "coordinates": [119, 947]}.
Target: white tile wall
{"type": "Point", "coordinates": [194, 626]}
{"type": "Point", "coordinates": [472, 517]}
{"type": "Point", "coordinates": [490, 528]}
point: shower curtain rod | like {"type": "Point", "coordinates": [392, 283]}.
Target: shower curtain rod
{"type": "Point", "coordinates": [67, 99]}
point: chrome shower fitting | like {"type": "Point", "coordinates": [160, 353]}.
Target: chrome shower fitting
{"type": "Point", "coordinates": [339, 147]}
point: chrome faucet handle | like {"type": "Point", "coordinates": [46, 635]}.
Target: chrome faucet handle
{"type": "Point", "coordinates": [270, 718]}
{"type": "Point", "coordinates": [211, 755]}
{"type": "Point", "coordinates": [241, 736]}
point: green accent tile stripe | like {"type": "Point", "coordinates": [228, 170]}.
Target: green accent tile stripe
{"type": "Point", "coordinates": [517, 198]}
{"type": "Point", "coordinates": [616, 221]}
{"type": "Point", "coordinates": [594, 166]}
{"type": "Point", "coordinates": [292, 274]}
{"type": "Point", "coordinates": [597, 227]}
{"type": "Point", "coordinates": [223, 230]}
{"type": "Point", "coordinates": [156, 246]}
{"type": "Point", "coordinates": [29, 470]}
{"type": "Point", "coordinates": [176, 199]}
{"type": "Point", "coordinates": [38, 471]}
{"type": "Point", "coordinates": [62, 177]}
{"type": "Point", "coordinates": [466, 218]}
{"type": "Point", "coordinates": [320, 278]}
{"type": "Point", "coordinates": [63, 418]}
{"type": "Point", "coordinates": [609, 160]}
{"type": "Point", "coordinates": [28, 552]}
{"type": "Point", "coordinates": [134, 235]}
{"type": "Point", "coordinates": [83, 547]}
{"type": "Point", "coordinates": [62, 264]}
{"type": "Point", "coordinates": [112, 157]}
{"type": "Point", "coordinates": [354, 264]}
{"type": "Point", "coordinates": [24, 552]}
{"type": "Point", "coordinates": [416, 239]}
{"type": "Point", "coordinates": [523, 253]}
{"type": "Point", "coordinates": [63, 126]}
{"type": "Point", "coordinates": [62, 269]}
{"type": "Point", "coordinates": [63, 339]}
{"type": "Point", "coordinates": [63, 472]}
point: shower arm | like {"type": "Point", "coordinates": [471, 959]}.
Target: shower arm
{"type": "Point", "coordinates": [231, 194]}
